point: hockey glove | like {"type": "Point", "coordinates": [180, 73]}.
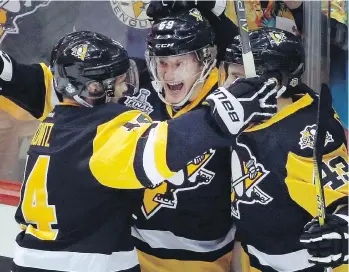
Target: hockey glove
{"type": "Point", "coordinates": [160, 9]}
{"type": "Point", "coordinates": [6, 67]}
{"type": "Point", "coordinates": [258, 97]}
{"type": "Point", "coordinates": [245, 101]}
{"type": "Point", "coordinates": [327, 244]}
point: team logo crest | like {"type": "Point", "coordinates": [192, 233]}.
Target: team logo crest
{"type": "Point", "coordinates": [194, 12]}
{"type": "Point", "coordinates": [132, 13]}
{"type": "Point", "coordinates": [165, 195]}
{"type": "Point", "coordinates": [308, 137]}
{"type": "Point", "coordinates": [140, 101]}
{"type": "Point", "coordinates": [11, 10]}
{"type": "Point", "coordinates": [80, 51]}
{"type": "Point", "coordinates": [246, 177]}
{"type": "Point", "coordinates": [294, 82]}
{"type": "Point", "coordinates": [278, 37]}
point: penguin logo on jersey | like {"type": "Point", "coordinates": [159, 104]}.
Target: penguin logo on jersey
{"type": "Point", "coordinates": [308, 137]}
{"type": "Point", "coordinates": [11, 10]}
{"type": "Point", "coordinates": [165, 195]}
{"type": "Point", "coordinates": [132, 13]}
{"type": "Point", "coordinates": [246, 177]}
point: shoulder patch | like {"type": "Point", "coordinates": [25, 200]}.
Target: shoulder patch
{"type": "Point", "coordinates": [140, 102]}
{"type": "Point", "coordinates": [308, 137]}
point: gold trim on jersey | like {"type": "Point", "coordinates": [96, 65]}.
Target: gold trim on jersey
{"type": "Point", "coordinates": [300, 179]}
{"type": "Point", "coordinates": [151, 263]}
{"type": "Point", "coordinates": [14, 110]}
{"type": "Point", "coordinates": [209, 83]}
{"type": "Point", "coordinates": [69, 103]}
{"type": "Point", "coordinates": [303, 102]}
{"type": "Point", "coordinates": [48, 77]}
{"type": "Point", "coordinates": [114, 150]}
{"type": "Point", "coordinates": [21, 114]}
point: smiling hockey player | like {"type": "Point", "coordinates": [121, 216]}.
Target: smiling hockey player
{"type": "Point", "coordinates": [273, 195]}
{"type": "Point", "coordinates": [88, 156]}
{"type": "Point", "coordinates": [185, 224]}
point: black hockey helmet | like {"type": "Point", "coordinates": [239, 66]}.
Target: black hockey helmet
{"type": "Point", "coordinates": [181, 33]}
{"type": "Point", "coordinates": [87, 67]}
{"type": "Point", "coordinates": [274, 50]}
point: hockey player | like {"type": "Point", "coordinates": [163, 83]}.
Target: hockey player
{"type": "Point", "coordinates": [202, 197]}
{"type": "Point", "coordinates": [88, 156]}
{"type": "Point", "coordinates": [273, 195]}
{"type": "Point", "coordinates": [184, 227]}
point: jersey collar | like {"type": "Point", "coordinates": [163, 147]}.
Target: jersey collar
{"type": "Point", "coordinates": [301, 103]}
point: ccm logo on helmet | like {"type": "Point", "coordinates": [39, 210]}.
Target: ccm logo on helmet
{"type": "Point", "coordinates": [228, 106]}
{"type": "Point", "coordinates": [165, 45]}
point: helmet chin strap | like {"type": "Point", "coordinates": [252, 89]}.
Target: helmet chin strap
{"type": "Point", "coordinates": [158, 86]}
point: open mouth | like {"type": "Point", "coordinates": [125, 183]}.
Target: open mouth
{"type": "Point", "coordinates": [175, 86]}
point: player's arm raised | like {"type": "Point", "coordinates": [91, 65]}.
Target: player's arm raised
{"type": "Point", "coordinates": [28, 87]}
{"type": "Point", "coordinates": [131, 151]}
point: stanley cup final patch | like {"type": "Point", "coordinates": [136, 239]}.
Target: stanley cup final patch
{"type": "Point", "coordinates": [140, 102]}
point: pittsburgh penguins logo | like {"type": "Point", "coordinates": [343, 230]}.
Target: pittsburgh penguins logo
{"type": "Point", "coordinates": [11, 10]}
{"type": "Point", "coordinates": [246, 176]}
{"type": "Point", "coordinates": [80, 51]}
{"type": "Point", "coordinates": [165, 195]}
{"type": "Point", "coordinates": [307, 138]}
{"type": "Point", "coordinates": [132, 13]}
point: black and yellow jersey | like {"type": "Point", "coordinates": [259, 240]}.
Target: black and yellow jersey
{"type": "Point", "coordinates": [186, 227]}
{"type": "Point", "coordinates": [196, 222]}
{"type": "Point", "coordinates": [273, 195]}
{"type": "Point", "coordinates": [30, 92]}
{"type": "Point", "coordinates": [83, 165]}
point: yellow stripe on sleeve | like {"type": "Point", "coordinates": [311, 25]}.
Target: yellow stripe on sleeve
{"type": "Point", "coordinates": [114, 149]}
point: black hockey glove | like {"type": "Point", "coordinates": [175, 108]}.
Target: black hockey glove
{"type": "Point", "coordinates": [257, 96]}
{"type": "Point", "coordinates": [245, 101]}
{"type": "Point", "coordinates": [158, 9]}
{"type": "Point", "coordinates": [328, 244]}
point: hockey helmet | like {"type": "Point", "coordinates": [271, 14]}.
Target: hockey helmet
{"type": "Point", "coordinates": [92, 68]}
{"type": "Point", "coordinates": [274, 50]}
{"type": "Point", "coordinates": [176, 36]}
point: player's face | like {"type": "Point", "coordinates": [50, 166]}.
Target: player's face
{"type": "Point", "coordinates": [120, 86]}
{"type": "Point", "coordinates": [178, 74]}
{"type": "Point", "coordinates": [234, 71]}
